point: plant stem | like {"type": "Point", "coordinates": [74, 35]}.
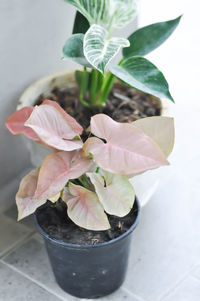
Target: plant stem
{"type": "Point", "coordinates": [84, 182]}
{"type": "Point", "coordinates": [93, 86]}
{"type": "Point", "coordinates": [106, 88]}
{"type": "Point", "coordinates": [97, 170]}
{"type": "Point", "coordinates": [82, 78]}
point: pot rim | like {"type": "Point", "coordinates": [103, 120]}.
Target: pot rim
{"type": "Point", "coordinates": [49, 77]}
{"type": "Point", "coordinates": [88, 246]}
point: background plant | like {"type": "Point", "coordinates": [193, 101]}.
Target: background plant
{"type": "Point", "coordinates": [93, 46]}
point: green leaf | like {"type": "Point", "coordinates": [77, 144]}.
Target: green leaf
{"type": "Point", "coordinates": [93, 10]}
{"type": "Point", "coordinates": [122, 12]}
{"type": "Point", "coordinates": [99, 48]}
{"type": "Point", "coordinates": [148, 38]}
{"type": "Point", "coordinates": [81, 24]}
{"type": "Point", "coordinates": [73, 49]}
{"type": "Point", "coordinates": [142, 75]}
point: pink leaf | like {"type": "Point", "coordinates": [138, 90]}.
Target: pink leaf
{"type": "Point", "coordinates": [160, 129]}
{"type": "Point", "coordinates": [57, 169]}
{"type": "Point", "coordinates": [128, 149]}
{"type": "Point", "coordinates": [77, 128]}
{"type": "Point", "coordinates": [26, 203]}
{"type": "Point", "coordinates": [84, 208]}
{"type": "Point", "coordinates": [53, 129]}
{"type": "Point", "coordinates": [15, 123]}
{"type": "Point", "coordinates": [115, 192]}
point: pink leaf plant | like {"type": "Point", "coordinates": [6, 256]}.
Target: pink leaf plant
{"type": "Point", "coordinates": [92, 178]}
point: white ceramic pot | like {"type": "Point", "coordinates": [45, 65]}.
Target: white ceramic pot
{"type": "Point", "coordinates": [145, 185]}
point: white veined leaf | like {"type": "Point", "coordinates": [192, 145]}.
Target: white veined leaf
{"type": "Point", "coordinates": [99, 48]}
{"type": "Point", "coordinates": [123, 11]}
{"type": "Point", "coordinates": [94, 10]}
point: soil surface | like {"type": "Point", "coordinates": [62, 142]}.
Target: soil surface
{"type": "Point", "coordinates": [124, 104]}
{"type": "Point", "coordinates": [53, 219]}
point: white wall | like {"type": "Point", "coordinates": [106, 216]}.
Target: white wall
{"type": "Point", "coordinates": [32, 36]}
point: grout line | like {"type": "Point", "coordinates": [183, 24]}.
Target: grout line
{"type": "Point", "coordinates": [132, 294]}
{"type": "Point", "coordinates": [195, 277]}
{"type": "Point", "coordinates": [173, 288]}
{"type": "Point", "coordinates": [17, 244]}
{"type": "Point", "coordinates": [33, 280]}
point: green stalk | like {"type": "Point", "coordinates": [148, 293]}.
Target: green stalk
{"type": "Point", "coordinates": [106, 88]}
{"type": "Point", "coordinates": [82, 78]}
{"type": "Point", "coordinates": [83, 183]}
{"type": "Point", "coordinates": [93, 86]}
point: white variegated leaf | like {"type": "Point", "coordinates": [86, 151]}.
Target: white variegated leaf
{"type": "Point", "coordinates": [123, 11]}
{"type": "Point", "coordinates": [99, 48]}
{"type": "Point", "coordinates": [94, 10]}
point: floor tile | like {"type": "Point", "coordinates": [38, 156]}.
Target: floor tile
{"type": "Point", "coordinates": [119, 295]}
{"type": "Point", "coordinates": [27, 221]}
{"type": "Point", "coordinates": [166, 243]}
{"type": "Point", "coordinates": [196, 272]}
{"type": "Point", "coordinates": [31, 259]}
{"type": "Point", "coordinates": [11, 234]}
{"type": "Point", "coordinates": [188, 290]}
{"type": "Point", "coordinates": [15, 287]}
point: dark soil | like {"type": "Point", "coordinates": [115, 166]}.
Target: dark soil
{"type": "Point", "coordinates": [124, 104]}
{"type": "Point", "coordinates": [53, 219]}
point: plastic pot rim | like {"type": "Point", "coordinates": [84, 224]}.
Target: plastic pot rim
{"type": "Point", "coordinates": [88, 246]}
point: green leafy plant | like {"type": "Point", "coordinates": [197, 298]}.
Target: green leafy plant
{"type": "Point", "coordinates": [93, 46]}
{"type": "Point", "coordinates": [91, 177]}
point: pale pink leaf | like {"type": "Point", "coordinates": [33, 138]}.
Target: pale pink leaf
{"type": "Point", "coordinates": [77, 128]}
{"type": "Point", "coordinates": [26, 203]}
{"type": "Point", "coordinates": [15, 123]}
{"type": "Point", "coordinates": [115, 192]}
{"type": "Point", "coordinates": [57, 169]}
{"type": "Point", "coordinates": [128, 150]}
{"type": "Point", "coordinates": [53, 129]}
{"type": "Point", "coordinates": [160, 129]}
{"type": "Point", "coordinates": [84, 208]}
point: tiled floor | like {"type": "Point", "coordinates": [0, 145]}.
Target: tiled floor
{"type": "Point", "coordinates": [165, 257]}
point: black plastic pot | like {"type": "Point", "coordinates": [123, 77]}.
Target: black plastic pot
{"type": "Point", "coordinates": [90, 271]}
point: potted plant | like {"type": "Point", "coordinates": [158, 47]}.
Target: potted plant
{"type": "Point", "coordinates": [83, 93]}
{"type": "Point", "coordinates": [133, 89]}
{"type": "Point", "coordinates": [91, 209]}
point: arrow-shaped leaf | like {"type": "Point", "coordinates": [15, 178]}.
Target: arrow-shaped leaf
{"type": "Point", "coordinates": [84, 208]}
{"type": "Point", "coordinates": [81, 24]}
{"type": "Point", "coordinates": [115, 192]}
{"type": "Point", "coordinates": [160, 129]}
{"type": "Point", "coordinates": [128, 150]}
{"type": "Point", "coordinates": [142, 75]}
{"type": "Point", "coordinates": [73, 49]}
{"type": "Point", "coordinates": [26, 203]}
{"type": "Point", "coordinates": [122, 12]}
{"type": "Point", "coordinates": [57, 169]}
{"type": "Point", "coordinates": [93, 10]}
{"type": "Point", "coordinates": [148, 38]}
{"type": "Point", "coordinates": [99, 48]}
